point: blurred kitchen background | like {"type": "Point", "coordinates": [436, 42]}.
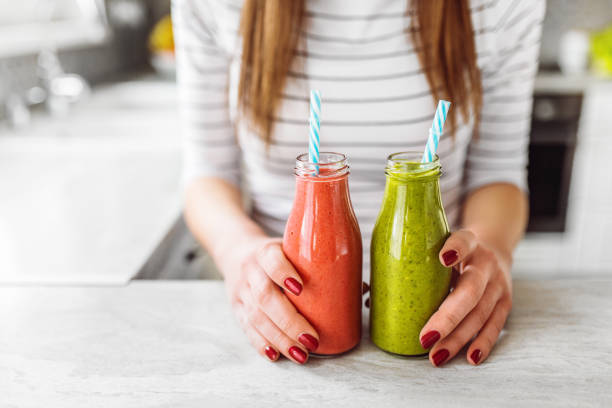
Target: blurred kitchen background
{"type": "Point", "coordinates": [90, 151]}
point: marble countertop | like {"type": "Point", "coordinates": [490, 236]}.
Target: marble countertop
{"type": "Point", "coordinates": [87, 197]}
{"type": "Point", "coordinates": [161, 343]}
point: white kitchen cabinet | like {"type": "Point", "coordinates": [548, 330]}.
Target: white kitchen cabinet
{"type": "Point", "coordinates": [586, 246]}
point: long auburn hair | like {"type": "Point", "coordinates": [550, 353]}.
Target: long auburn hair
{"type": "Point", "coordinates": [441, 32]}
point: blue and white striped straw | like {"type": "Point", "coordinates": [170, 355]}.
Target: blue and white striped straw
{"type": "Point", "coordinates": [436, 131]}
{"type": "Point", "coordinates": [315, 128]}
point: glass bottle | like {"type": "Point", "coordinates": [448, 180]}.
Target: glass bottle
{"type": "Point", "coordinates": [323, 242]}
{"type": "Point", "coordinates": [407, 283]}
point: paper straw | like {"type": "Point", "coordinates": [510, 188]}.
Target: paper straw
{"type": "Point", "coordinates": [315, 127]}
{"type": "Point", "coordinates": [435, 131]}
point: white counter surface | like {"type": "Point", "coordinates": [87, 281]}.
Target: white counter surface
{"type": "Point", "coordinates": [175, 344]}
{"type": "Point", "coordinates": [85, 199]}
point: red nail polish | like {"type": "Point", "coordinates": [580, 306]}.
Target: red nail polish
{"type": "Point", "coordinates": [298, 354]}
{"type": "Point", "coordinates": [450, 257]}
{"type": "Point", "coordinates": [476, 356]}
{"type": "Point", "coordinates": [429, 339]}
{"type": "Point", "coordinates": [271, 353]}
{"type": "Point", "coordinates": [294, 286]}
{"type": "Point", "coordinates": [310, 342]}
{"type": "Point", "coordinates": [440, 357]}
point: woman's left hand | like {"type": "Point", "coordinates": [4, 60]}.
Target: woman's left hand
{"type": "Point", "coordinates": [478, 305]}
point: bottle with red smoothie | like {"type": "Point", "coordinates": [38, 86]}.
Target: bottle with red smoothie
{"type": "Point", "coordinates": [323, 242]}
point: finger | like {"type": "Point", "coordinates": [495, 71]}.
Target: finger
{"type": "Point", "coordinates": [465, 296]}
{"type": "Point", "coordinates": [257, 319]}
{"type": "Point", "coordinates": [276, 265]}
{"type": "Point", "coordinates": [457, 247]}
{"type": "Point", "coordinates": [482, 345]}
{"type": "Point", "coordinates": [268, 297]}
{"type": "Point", "coordinates": [263, 346]}
{"type": "Point", "coordinates": [449, 346]}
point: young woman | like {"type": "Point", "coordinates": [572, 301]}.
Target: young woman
{"type": "Point", "coordinates": [245, 68]}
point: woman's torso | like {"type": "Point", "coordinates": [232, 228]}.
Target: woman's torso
{"type": "Point", "coordinates": [375, 101]}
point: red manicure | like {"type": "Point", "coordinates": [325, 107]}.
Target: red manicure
{"type": "Point", "coordinates": [429, 339]}
{"type": "Point", "coordinates": [298, 354]}
{"type": "Point", "coordinates": [450, 257]}
{"type": "Point", "coordinates": [294, 286]}
{"type": "Point", "coordinates": [476, 356]}
{"type": "Point", "coordinates": [440, 357]}
{"type": "Point", "coordinates": [271, 353]}
{"type": "Point", "coordinates": [310, 342]}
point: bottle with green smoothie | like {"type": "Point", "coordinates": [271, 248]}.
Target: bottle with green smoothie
{"type": "Point", "coordinates": [408, 282]}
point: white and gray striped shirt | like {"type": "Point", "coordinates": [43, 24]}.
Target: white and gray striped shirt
{"type": "Point", "coordinates": [375, 101]}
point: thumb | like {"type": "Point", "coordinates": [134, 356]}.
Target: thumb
{"type": "Point", "coordinates": [457, 247]}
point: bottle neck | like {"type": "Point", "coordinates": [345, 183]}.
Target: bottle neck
{"type": "Point", "coordinates": [410, 182]}
{"type": "Point", "coordinates": [323, 184]}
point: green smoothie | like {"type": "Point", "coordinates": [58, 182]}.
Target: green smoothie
{"type": "Point", "coordinates": [408, 282]}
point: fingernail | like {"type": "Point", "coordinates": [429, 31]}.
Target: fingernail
{"type": "Point", "coordinates": [429, 339]}
{"type": "Point", "coordinates": [310, 342]}
{"type": "Point", "coordinates": [271, 353]}
{"type": "Point", "coordinates": [440, 357]}
{"type": "Point", "coordinates": [298, 354]}
{"type": "Point", "coordinates": [364, 288]}
{"type": "Point", "coordinates": [476, 356]}
{"type": "Point", "coordinates": [294, 286]}
{"type": "Point", "coordinates": [450, 257]}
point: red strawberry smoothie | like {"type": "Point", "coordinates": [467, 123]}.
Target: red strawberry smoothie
{"type": "Point", "coordinates": [323, 242]}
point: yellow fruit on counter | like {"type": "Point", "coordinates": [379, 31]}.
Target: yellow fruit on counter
{"type": "Point", "coordinates": [162, 37]}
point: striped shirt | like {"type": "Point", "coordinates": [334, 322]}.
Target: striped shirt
{"type": "Point", "coordinates": [375, 101]}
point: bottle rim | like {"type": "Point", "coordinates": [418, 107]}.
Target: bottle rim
{"type": "Point", "coordinates": [331, 165]}
{"type": "Point", "coordinates": [408, 164]}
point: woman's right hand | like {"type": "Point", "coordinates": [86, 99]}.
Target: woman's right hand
{"type": "Point", "coordinates": [268, 318]}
